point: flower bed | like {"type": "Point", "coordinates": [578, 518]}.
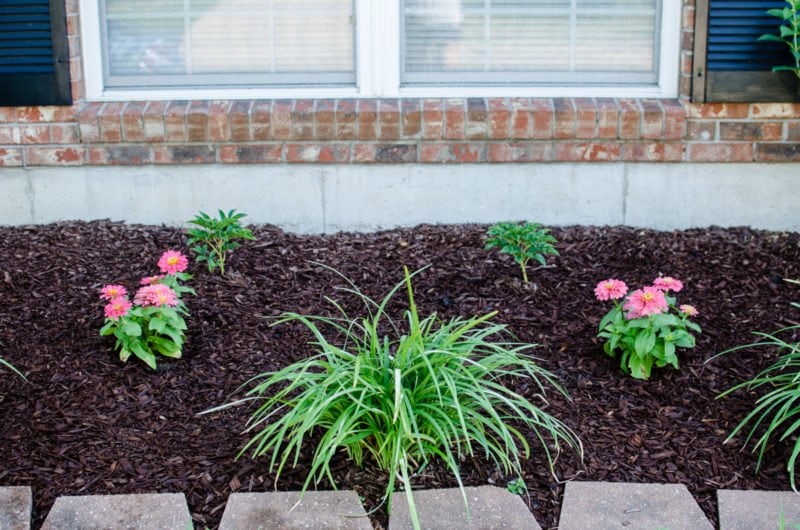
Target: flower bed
{"type": "Point", "coordinates": [84, 423]}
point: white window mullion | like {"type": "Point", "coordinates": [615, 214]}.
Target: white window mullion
{"type": "Point", "coordinates": [364, 46]}
{"type": "Point", "coordinates": [385, 45]}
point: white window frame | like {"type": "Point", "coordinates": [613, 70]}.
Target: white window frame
{"type": "Point", "coordinates": [378, 66]}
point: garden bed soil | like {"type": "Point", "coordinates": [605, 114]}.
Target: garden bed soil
{"type": "Point", "coordinates": [85, 423]}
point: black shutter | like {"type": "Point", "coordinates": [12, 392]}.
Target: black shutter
{"type": "Point", "coordinates": [34, 61]}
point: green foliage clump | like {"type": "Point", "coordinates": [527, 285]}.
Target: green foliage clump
{"type": "Point", "coordinates": [788, 33]}
{"type": "Point", "coordinates": [522, 241]}
{"type": "Point", "coordinates": [213, 239]}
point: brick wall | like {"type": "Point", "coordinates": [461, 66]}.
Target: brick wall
{"type": "Point", "coordinates": [362, 131]}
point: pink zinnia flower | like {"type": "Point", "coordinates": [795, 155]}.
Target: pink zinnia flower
{"type": "Point", "coordinates": [668, 283]}
{"type": "Point", "coordinates": [644, 302]}
{"type": "Point", "coordinates": [610, 289]}
{"type": "Point", "coordinates": [117, 307]}
{"type": "Point", "coordinates": [109, 292]}
{"type": "Point", "coordinates": [157, 295]}
{"type": "Point", "coordinates": [150, 280]}
{"type": "Point", "coordinates": [172, 262]}
{"type": "Point", "coordinates": [688, 310]}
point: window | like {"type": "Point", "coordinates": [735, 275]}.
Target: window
{"type": "Point", "coordinates": [380, 48]}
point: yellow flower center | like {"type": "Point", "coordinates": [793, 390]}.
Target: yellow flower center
{"type": "Point", "coordinates": [648, 297]}
{"type": "Point", "coordinates": [172, 260]}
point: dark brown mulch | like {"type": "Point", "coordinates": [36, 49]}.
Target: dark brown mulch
{"type": "Point", "coordinates": [84, 423]}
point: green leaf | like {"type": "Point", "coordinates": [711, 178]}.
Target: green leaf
{"type": "Point", "coordinates": [645, 341]}
{"type": "Point", "coordinates": [132, 328]}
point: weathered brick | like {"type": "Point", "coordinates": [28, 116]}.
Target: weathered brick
{"type": "Point", "coordinates": [775, 110]}
{"type": "Point", "coordinates": [412, 118]}
{"type": "Point", "coordinates": [133, 121]}
{"type": "Point", "coordinates": [87, 122]}
{"type": "Point", "coordinates": [346, 119]}
{"type": "Point", "coordinates": [49, 113]}
{"type": "Point", "coordinates": [251, 154]}
{"type": "Point", "coordinates": [652, 119]}
{"type": "Point", "coordinates": [64, 133]}
{"type": "Point", "coordinates": [175, 121]}
{"type": "Point", "coordinates": [477, 119]}
{"type": "Point", "coordinates": [687, 18]}
{"type": "Point", "coordinates": [701, 130]}
{"type": "Point", "coordinates": [717, 110]}
{"type": "Point", "coordinates": [752, 130]}
{"type": "Point", "coordinates": [499, 118]}
{"type": "Point", "coordinates": [674, 119]}
{"type": "Point", "coordinates": [793, 131]}
{"type": "Point", "coordinates": [543, 118]}
{"type": "Point", "coordinates": [775, 152]}
{"type": "Point", "coordinates": [119, 155]}
{"type": "Point", "coordinates": [261, 120]}
{"type": "Point", "coordinates": [154, 124]}
{"type": "Point", "coordinates": [388, 119]}
{"type": "Point", "coordinates": [239, 121]}
{"type": "Point", "coordinates": [303, 120]}
{"type": "Point", "coordinates": [453, 152]}
{"type": "Point", "coordinates": [586, 118]}
{"type": "Point", "coordinates": [197, 121]}
{"type": "Point", "coordinates": [520, 152]}
{"type": "Point", "coordinates": [455, 119]}
{"type": "Point", "coordinates": [384, 153]}
{"type": "Point", "coordinates": [587, 151]}
{"type": "Point", "coordinates": [53, 156]}
{"type": "Point", "coordinates": [367, 115]}
{"type": "Point", "coordinates": [652, 152]}
{"type": "Point", "coordinates": [280, 119]}
{"type": "Point", "coordinates": [564, 118]}
{"type": "Point", "coordinates": [218, 130]}
{"type": "Point", "coordinates": [10, 156]}
{"type": "Point", "coordinates": [34, 134]}
{"type": "Point", "coordinates": [8, 114]}
{"type": "Point", "coordinates": [607, 118]}
{"type": "Point", "coordinates": [720, 152]}
{"type": "Point", "coordinates": [9, 134]}
{"type": "Point", "coordinates": [432, 119]}
{"type": "Point", "coordinates": [184, 154]}
{"type": "Point", "coordinates": [630, 119]}
{"type": "Point", "coordinates": [110, 120]}
{"type": "Point", "coordinates": [317, 153]}
{"type": "Point", "coordinates": [521, 118]}
{"type": "Point", "coordinates": [325, 119]}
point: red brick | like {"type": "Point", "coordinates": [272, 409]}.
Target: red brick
{"type": "Point", "coordinates": [652, 152]}
{"type": "Point", "coordinates": [750, 130]}
{"type": "Point", "coordinates": [521, 118]}
{"type": "Point", "coordinates": [674, 119]}
{"type": "Point", "coordinates": [367, 114]}
{"type": "Point", "coordinates": [717, 110]}
{"type": "Point", "coordinates": [721, 152]}
{"type": "Point", "coordinates": [75, 68]}
{"type": "Point", "coordinates": [701, 130]}
{"type": "Point", "coordinates": [281, 120]}
{"type": "Point", "coordinates": [8, 114]}
{"type": "Point", "coordinates": [44, 114]}
{"type": "Point", "coordinates": [455, 119]}
{"type": "Point", "coordinates": [175, 121]}
{"type": "Point", "coordinates": [543, 118]}
{"type": "Point", "coordinates": [71, 7]}
{"type": "Point", "coordinates": [64, 133]}
{"type": "Point", "coordinates": [34, 134]}
{"type": "Point", "coordinates": [346, 119]}
{"type": "Point", "coordinates": [432, 119]}
{"type": "Point", "coordinates": [687, 20]}
{"type": "Point", "coordinates": [133, 121]}
{"type": "Point", "coordinates": [325, 119]}
{"type": "Point", "coordinates": [630, 119]}
{"type": "Point", "coordinates": [73, 25]}
{"type": "Point", "coordinates": [773, 152]}
{"type": "Point", "coordinates": [317, 153]}
{"type": "Point", "coordinates": [793, 131]}
{"type": "Point", "coordinates": [218, 130]}
{"type": "Point", "coordinates": [412, 118]}
{"type": "Point", "coordinates": [10, 157]}
{"type": "Point", "coordinates": [686, 62]}
{"type": "Point", "coordinates": [587, 151]}
{"type": "Point", "coordinates": [586, 118]}
{"type": "Point", "coordinates": [154, 123]}
{"type": "Point", "coordinates": [499, 118]}
{"type": "Point", "coordinates": [607, 118]}
{"type": "Point", "coordinates": [239, 121]}
{"type": "Point", "coordinates": [685, 87]}
{"type": "Point", "coordinates": [303, 119]}
{"type": "Point", "coordinates": [251, 154]}
{"type": "Point", "coordinates": [453, 152]}
{"type": "Point", "coordinates": [110, 120]}
{"type": "Point", "coordinates": [197, 121]}
{"type": "Point", "coordinates": [652, 119]}
{"type": "Point", "coordinates": [184, 154]}
{"type": "Point", "coordinates": [477, 119]}
{"type": "Point", "coordinates": [388, 119]}
{"type": "Point", "coordinates": [76, 89]}
{"type": "Point", "coordinates": [564, 118]}
{"type": "Point", "coordinates": [384, 153]}
{"type": "Point", "coordinates": [9, 134]}
{"type": "Point", "coordinates": [334, 153]}
{"type": "Point", "coordinates": [261, 120]}
{"type": "Point", "coordinates": [87, 121]}
{"type": "Point", "coordinates": [120, 155]}
{"type": "Point", "coordinates": [776, 110]}
{"type": "Point", "coordinates": [520, 152]}
{"type": "Point", "coordinates": [53, 156]}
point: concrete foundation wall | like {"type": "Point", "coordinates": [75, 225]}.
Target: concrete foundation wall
{"type": "Point", "coordinates": [325, 199]}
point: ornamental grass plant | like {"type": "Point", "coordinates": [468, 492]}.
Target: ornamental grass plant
{"type": "Point", "coordinates": [403, 395]}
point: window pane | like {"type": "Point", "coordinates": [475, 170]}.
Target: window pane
{"type": "Point", "coordinates": [529, 41]}
{"type": "Point", "coordinates": [152, 43]}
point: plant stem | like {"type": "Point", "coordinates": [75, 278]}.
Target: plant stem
{"type": "Point", "coordinates": [524, 271]}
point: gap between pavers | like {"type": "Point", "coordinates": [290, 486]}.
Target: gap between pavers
{"type": "Point", "coordinates": [746, 510]}
{"type": "Point", "coordinates": [151, 511]}
{"type": "Point", "coordinates": [628, 506]}
{"type": "Point", "coordinates": [15, 507]}
{"type": "Point", "coordinates": [443, 509]}
{"type": "Point", "coordinates": [341, 510]}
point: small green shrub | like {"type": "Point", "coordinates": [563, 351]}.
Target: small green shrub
{"type": "Point", "coordinates": [522, 241]}
{"type": "Point", "coordinates": [214, 238]}
{"type": "Point", "coordinates": [403, 398]}
{"type": "Point", "coordinates": [778, 411]}
{"type": "Point", "coordinates": [788, 33]}
{"type": "Point", "coordinates": [517, 486]}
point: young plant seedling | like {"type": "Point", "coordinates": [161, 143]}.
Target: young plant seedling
{"type": "Point", "coordinates": [213, 239]}
{"type": "Point", "coordinates": [522, 241]}
{"type": "Point", "coordinates": [789, 34]}
{"type": "Point", "coordinates": [517, 486]}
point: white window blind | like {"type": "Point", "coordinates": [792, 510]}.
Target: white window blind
{"type": "Point", "coordinates": [507, 42]}
{"type": "Point", "coordinates": [238, 43]}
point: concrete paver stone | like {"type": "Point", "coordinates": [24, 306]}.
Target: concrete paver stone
{"type": "Point", "coordinates": [152, 511]}
{"type": "Point", "coordinates": [15, 507]}
{"type": "Point", "coordinates": [746, 510]}
{"type": "Point", "coordinates": [625, 506]}
{"type": "Point", "coordinates": [340, 510]}
{"type": "Point", "coordinates": [491, 508]}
